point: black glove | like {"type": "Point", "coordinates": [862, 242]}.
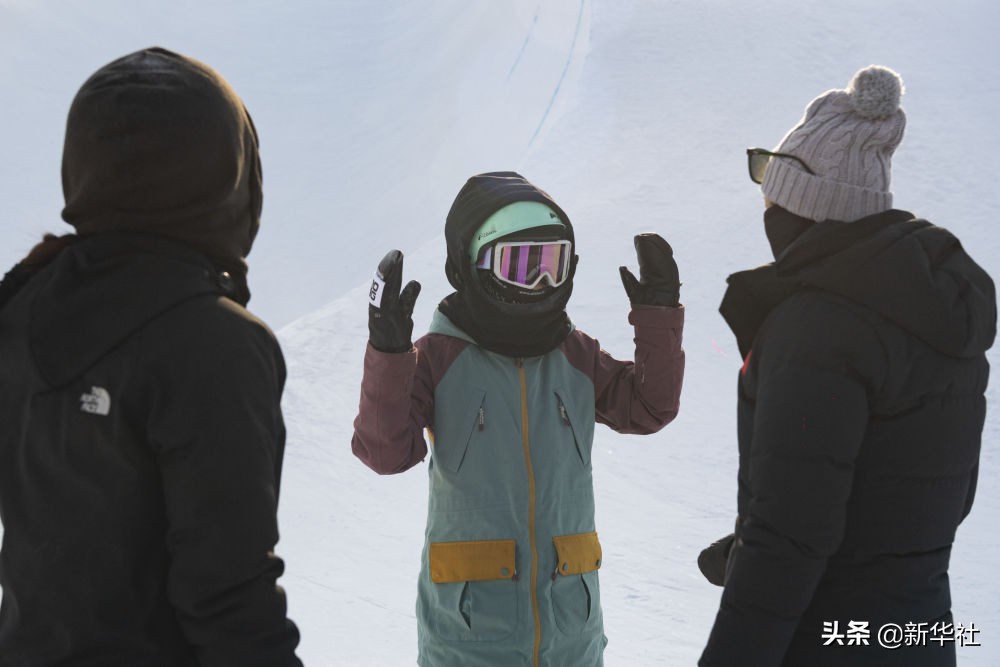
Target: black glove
{"type": "Point", "coordinates": [390, 321]}
{"type": "Point", "coordinates": [659, 283]}
{"type": "Point", "coordinates": [713, 559]}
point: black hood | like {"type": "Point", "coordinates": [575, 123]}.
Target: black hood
{"type": "Point", "coordinates": [482, 196]}
{"type": "Point", "coordinates": [97, 293]}
{"type": "Point", "coordinates": [159, 143]}
{"type": "Point", "coordinates": [517, 330]}
{"type": "Point", "coordinates": [911, 272]}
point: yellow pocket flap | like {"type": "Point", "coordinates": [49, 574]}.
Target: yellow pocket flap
{"type": "Point", "coordinates": [577, 553]}
{"type": "Point", "coordinates": [480, 560]}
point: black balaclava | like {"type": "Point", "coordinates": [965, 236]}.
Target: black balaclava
{"type": "Point", "coordinates": [515, 329]}
{"type": "Point", "coordinates": [159, 143]}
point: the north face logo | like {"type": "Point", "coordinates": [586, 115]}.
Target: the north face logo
{"type": "Point", "coordinates": [96, 402]}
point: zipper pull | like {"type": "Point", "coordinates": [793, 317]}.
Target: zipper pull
{"type": "Point", "coordinates": [562, 413]}
{"type": "Point", "coordinates": [482, 418]}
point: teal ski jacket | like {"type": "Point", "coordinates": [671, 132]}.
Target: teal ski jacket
{"type": "Point", "coordinates": [509, 569]}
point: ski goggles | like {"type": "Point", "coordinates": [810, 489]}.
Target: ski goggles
{"type": "Point", "coordinates": [526, 263]}
{"type": "Point", "coordinates": [758, 159]}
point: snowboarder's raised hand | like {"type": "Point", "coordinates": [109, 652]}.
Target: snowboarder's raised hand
{"type": "Point", "coordinates": [390, 311]}
{"type": "Point", "coordinates": [659, 283]}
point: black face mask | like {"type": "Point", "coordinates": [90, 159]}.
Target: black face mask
{"type": "Point", "coordinates": [512, 328]}
{"type": "Point", "coordinates": [782, 228]}
{"type": "Point", "coordinates": [512, 295]}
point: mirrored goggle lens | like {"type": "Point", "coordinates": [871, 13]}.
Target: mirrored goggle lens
{"type": "Point", "coordinates": [758, 162]}
{"type": "Point", "coordinates": [526, 264]}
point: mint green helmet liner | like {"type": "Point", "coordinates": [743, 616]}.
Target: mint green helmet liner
{"type": "Point", "coordinates": [512, 218]}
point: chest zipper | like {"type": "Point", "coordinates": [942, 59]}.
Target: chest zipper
{"type": "Point", "coordinates": [526, 446]}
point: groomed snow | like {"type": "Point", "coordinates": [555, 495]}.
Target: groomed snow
{"type": "Point", "coordinates": [634, 116]}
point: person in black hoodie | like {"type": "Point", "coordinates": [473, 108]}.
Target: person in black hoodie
{"type": "Point", "coordinates": [860, 406]}
{"type": "Point", "coordinates": [141, 434]}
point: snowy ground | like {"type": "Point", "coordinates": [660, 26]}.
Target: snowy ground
{"type": "Point", "coordinates": [634, 116]}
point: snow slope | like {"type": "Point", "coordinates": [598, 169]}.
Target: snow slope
{"type": "Point", "coordinates": [634, 116]}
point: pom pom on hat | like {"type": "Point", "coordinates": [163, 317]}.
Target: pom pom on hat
{"type": "Point", "coordinates": [875, 92]}
{"type": "Point", "coordinates": [847, 138]}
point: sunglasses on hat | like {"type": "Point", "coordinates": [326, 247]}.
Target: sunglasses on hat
{"type": "Point", "coordinates": [758, 159]}
{"type": "Point", "coordinates": [526, 263]}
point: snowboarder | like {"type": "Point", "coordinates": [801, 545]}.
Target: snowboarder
{"type": "Point", "coordinates": [509, 392]}
{"type": "Point", "coordinates": [141, 434]}
{"type": "Point", "coordinates": [860, 408]}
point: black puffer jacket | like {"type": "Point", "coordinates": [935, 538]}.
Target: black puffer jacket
{"type": "Point", "coordinates": [861, 408]}
{"type": "Point", "coordinates": [141, 435]}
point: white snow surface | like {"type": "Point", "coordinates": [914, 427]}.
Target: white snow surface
{"type": "Point", "coordinates": [633, 115]}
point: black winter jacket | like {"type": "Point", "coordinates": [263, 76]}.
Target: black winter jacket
{"type": "Point", "coordinates": [141, 441]}
{"type": "Point", "coordinates": [861, 408]}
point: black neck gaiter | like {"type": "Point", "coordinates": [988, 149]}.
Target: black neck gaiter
{"type": "Point", "coordinates": [782, 227]}
{"type": "Point", "coordinates": [519, 331]}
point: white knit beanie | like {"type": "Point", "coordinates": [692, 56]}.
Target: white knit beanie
{"type": "Point", "coordinates": [847, 137]}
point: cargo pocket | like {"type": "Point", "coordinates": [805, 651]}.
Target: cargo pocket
{"type": "Point", "coordinates": [454, 428]}
{"type": "Point", "coordinates": [475, 588]}
{"type": "Point", "coordinates": [575, 423]}
{"type": "Point", "coordinates": [576, 597]}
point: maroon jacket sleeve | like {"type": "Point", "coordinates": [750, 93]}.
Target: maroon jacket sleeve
{"type": "Point", "coordinates": [397, 402]}
{"type": "Point", "coordinates": [388, 431]}
{"type": "Point", "coordinates": [641, 396]}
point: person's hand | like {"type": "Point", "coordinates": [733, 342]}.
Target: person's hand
{"type": "Point", "coordinates": [713, 559]}
{"type": "Point", "coordinates": [658, 283]}
{"type": "Point", "coordinates": [390, 311]}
